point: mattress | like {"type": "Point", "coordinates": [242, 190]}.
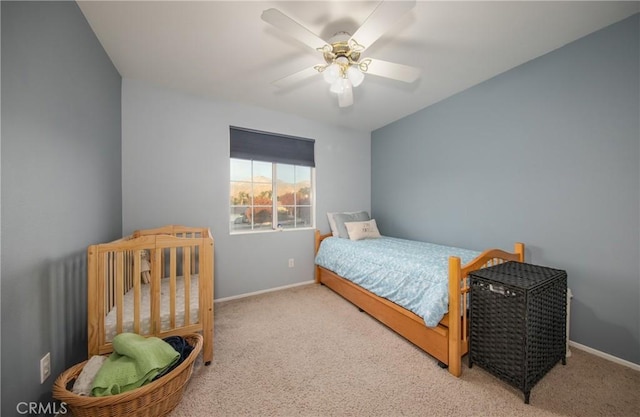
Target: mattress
{"type": "Point", "coordinates": [412, 274]}
{"type": "Point", "coordinates": [145, 308]}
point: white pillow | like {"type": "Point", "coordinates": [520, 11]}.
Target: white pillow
{"type": "Point", "coordinates": [362, 230]}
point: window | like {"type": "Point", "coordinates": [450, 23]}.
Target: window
{"type": "Point", "coordinates": [271, 182]}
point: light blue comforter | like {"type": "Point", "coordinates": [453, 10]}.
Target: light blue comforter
{"type": "Point", "coordinates": [412, 274]}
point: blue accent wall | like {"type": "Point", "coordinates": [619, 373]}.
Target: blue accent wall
{"type": "Point", "coordinates": [547, 154]}
{"type": "Point", "coordinates": [60, 190]}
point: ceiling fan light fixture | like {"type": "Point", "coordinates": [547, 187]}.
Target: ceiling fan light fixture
{"type": "Point", "coordinates": [343, 68]}
{"type": "Point", "coordinates": [332, 73]}
{"type": "Point", "coordinates": [345, 99]}
{"type": "Point", "coordinates": [355, 75]}
{"type": "Point", "coordinates": [337, 86]}
{"type": "Point", "coordinates": [342, 60]}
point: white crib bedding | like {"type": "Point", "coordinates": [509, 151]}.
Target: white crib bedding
{"type": "Point", "coordinates": [145, 308]}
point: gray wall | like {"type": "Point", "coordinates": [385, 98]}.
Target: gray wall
{"type": "Point", "coordinates": [547, 154]}
{"type": "Point", "coordinates": [60, 188]}
{"type": "Point", "coordinates": [175, 170]}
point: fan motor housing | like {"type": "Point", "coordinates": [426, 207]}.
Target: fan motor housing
{"type": "Point", "coordinates": [339, 49]}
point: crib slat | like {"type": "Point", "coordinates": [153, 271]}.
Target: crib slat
{"type": "Point", "coordinates": [111, 280]}
{"type": "Point", "coordinates": [119, 290]}
{"type": "Point", "coordinates": [172, 287]}
{"type": "Point", "coordinates": [126, 272]}
{"type": "Point", "coordinates": [186, 262]}
{"type": "Point", "coordinates": [156, 255]}
{"type": "Point", "coordinates": [137, 259]}
{"type": "Point", "coordinates": [194, 254]}
{"type": "Point", "coordinates": [109, 283]}
{"type": "Point", "coordinates": [96, 288]}
{"type": "Point", "coordinates": [163, 273]}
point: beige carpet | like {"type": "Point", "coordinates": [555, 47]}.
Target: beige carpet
{"type": "Point", "coordinates": [307, 352]}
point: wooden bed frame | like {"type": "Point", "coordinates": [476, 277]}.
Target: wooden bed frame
{"type": "Point", "coordinates": [114, 269]}
{"type": "Point", "coordinates": [448, 341]}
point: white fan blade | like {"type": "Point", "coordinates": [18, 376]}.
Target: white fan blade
{"type": "Point", "coordinates": [293, 28]}
{"type": "Point", "coordinates": [392, 70]}
{"type": "Point", "coordinates": [295, 77]}
{"type": "Point", "coordinates": [380, 20]}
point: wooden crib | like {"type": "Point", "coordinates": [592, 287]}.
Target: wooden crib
{"type": "Point", "coordinates": [155, 282]}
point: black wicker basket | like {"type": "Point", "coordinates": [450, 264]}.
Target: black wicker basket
{"type": "Point", "coordinates": [518, 322]}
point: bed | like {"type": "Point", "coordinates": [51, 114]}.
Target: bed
{"type": "Point", "coordinates": [446, 338]}
{"type": "Point", "coordinates": [154, 282]}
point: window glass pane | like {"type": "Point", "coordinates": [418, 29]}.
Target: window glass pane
{"type": "Point", "coordinates": [303, 175]}
{"type": "Point", "coordinates": [303, 217]}
{"type": "Point", "coordinates": [286, 217]}
{"type": "Point", "coordinates": [262, 172]}
{"type": "Point", "coordinates": [240, 218]}
{"type": "Point", "coordinates": [240, 193]}
{"type": "Point", "coordinates": [285, 185]}
{"type": "Point", "coordinates": [303, 195]}
{"type": "Point", "coordinates": [286, 173]}
{"type": "Point", "coordinates": [262, 218]}
{"type": "Point", "coordinates": [263, 194]}
{"type": "Point", "coordinates": [286, 196]}
{"type": "Point", "coordinates": [294, 217]}
{"type": "Point", "coordinates": [240, 170]}
{"type": "Point", "coordinates": [303, 185]}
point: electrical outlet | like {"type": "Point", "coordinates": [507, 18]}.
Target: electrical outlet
{"type": "Point", "coordinates": [45, 367]}
{"type": "Point", "coordinates": [291, 263]}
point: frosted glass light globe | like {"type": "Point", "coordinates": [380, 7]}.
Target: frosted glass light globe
{"type": "Point", "coordinates": [331, 73]}
{"type": "Point", "coordinates": [355, 75]}
{"type": "Point", "coordinates": [337, 86]}
{"type": "Point", "coordinates": [345, 99]}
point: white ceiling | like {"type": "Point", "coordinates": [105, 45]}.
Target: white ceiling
{"type": "Point", "coordinates": [223, 49]}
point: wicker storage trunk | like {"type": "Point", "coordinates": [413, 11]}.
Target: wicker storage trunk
{"type": "Point", "coordinates": [155, 399]}
{"type": "Point", "coordinates": [518, 322]}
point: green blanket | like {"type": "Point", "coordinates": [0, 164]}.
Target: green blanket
{"type": "Point", "coordinates": [135, 361]}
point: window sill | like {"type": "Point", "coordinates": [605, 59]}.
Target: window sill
{"type": "Point", "coordinates": [254, 232]}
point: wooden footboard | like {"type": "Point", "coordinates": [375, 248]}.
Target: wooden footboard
{"type": "Point", "coordinates": [448, 341]}
{"type": "Point", "coordinates": [172, 257]}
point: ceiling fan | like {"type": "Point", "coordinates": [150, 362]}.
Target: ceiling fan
{"type": "Point", "coordinates": [344, 66]}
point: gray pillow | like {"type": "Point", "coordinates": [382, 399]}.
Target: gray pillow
{"type": "Point", "coordinates": [342, 218]}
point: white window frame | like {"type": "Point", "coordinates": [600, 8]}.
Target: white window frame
{"type": "Point", "coordinates": [274, 201]}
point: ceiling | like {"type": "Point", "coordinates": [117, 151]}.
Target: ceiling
{"type": "Point", "coordinates": [223, 49]}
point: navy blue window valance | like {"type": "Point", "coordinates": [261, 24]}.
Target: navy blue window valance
{"type": "Point", "coordinates": [271, 147]}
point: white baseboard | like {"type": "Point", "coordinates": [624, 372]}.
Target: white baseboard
{"type": "Point", "coordinates": [235, 297]}
{"type": "Point", "coordinates": [603, 355]}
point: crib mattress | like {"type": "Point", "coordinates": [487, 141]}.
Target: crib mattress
{"type": "Point", "coordinates": [145, 308]}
